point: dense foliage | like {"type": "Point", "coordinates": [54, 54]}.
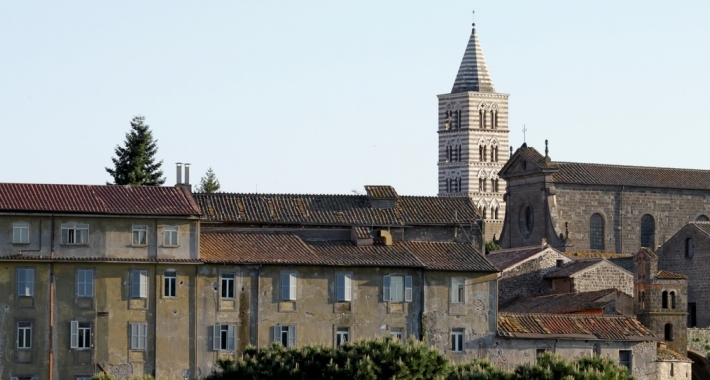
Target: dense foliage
{"type": "Point", "coordinates": [135, 163]}
{"type": "Point", "coordinates": [209, 183]}
{"type": "Point", "coordinates": [491, 246]}
{"type": "Point", "coordinates": [386, 358]}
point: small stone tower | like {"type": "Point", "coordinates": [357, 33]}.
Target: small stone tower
{"type": "Point", "coordinates": [660, 300]}
{"type": "Point", "coordinates": [473, 139]}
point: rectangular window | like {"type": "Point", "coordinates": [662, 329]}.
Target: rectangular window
{"type": "Point", "coordinates": [24, 378]}
{"type": "Point", "coordinates": [80, 335]}
{"type": "Point", "coordinates": [139, 336]}
{"type": "Point", "coordinates": [139, 284]}
{"type": "Point", "coordinates": [170, 284]}
{"type": "Point", "coordinates": [20, 233]}
{"type": "Point", "coordinates": [343, 285]}
{"type": "Point", "coordinates": [170, 236]}
{"type": "Point", "coordinates": [457, 340]}
{"type": "Point", "coordinates": [85, 283]}
{"type": "Point", "coordinates": [625, 358]}
{"type": "Point", "coordinates": [397, 288]}
{"type": "Point", "coordinates": [26, 282]}
{"type": "Point", "coordinates": [288, 286]}
{"type": "Point", "coordinates": [140, 235]}
{"type": "Point", "coordinates": [224, 337]}
{"type": "Point", "coordinates": [457, 290]}
{"type": "Point", "coordinates": [24, 335]}
{"type": "Point", "coordinates": [285, 335]}
{"type": "Point", "coordinates": [227, 285]}
{"type": "Point", "coordinates": [75, 233]}
{"type": "Point", "coordinates": [342, 335]}
{"type": "Point", "coordinates": [692, 314]}
{"type": "Point", "coordinates": [397, 333]}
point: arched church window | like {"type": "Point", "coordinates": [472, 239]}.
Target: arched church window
{"type": "Point", "coordinates": [494, 212]}
{"type": "Point", "coordinates": [526, 220]}
{"type": "Point", "coordinates": [448, 153]}
{"type": "Point", "coordinates": [648, 231]}
{"type": "Point", "coordinates": [448, 185]}
{"type": "Point", "coordinates": [458, 119]}
{"type": "Point", "coordinates": [664, 300]}
{"type": "Point", "coordinates": [458, 183]}
{"type": "Point", "coordinates": [668, 332]}
{"type": "Point", "coordinates": [689, 247]}
{"type": "Point", "coordinates": [482, 118]}
{"type": "Point", "coordinates": [458, 153]}
{"type": "Point", "coordinates": [702, 218]}
{"type": "Point", "coordinates": [480, 153]}
{"type": "Point", "coordinates": [672, 300]}
{"type": "Point", "coordinates": [596, 232]}
{"type": "Point", "coordinates": [494, 184]}
{"type": "Point", "coordinates": [642, 296]}
{"type": "Point", "coordinates": [494, 119]}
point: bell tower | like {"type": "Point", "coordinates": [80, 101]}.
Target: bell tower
{"type": "Point", "coordinates": [473, 138]}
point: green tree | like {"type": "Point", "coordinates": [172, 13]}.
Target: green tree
{"type": "Point", "coordinates": [209, 183]}
{"type": "Point", "coordinates": [134, 163]}
{"type": "Point", "coordinates": [491, 246]}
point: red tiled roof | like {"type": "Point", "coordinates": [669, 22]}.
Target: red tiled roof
{"type": "Point", "coordinates": [631, 176]}
{"type": "Point", "coordinates": [346, 210]}
{"type": "Point", "coordinates": [505, 258]}
{"type": "Point", "coordinates": [386, 192]}
{"type": "Point", "coordinates": [573, 268]}
{"type": "Point", "coordinates": [558, 303]}
{"type": "Point", "coordinates": [665, 354]}
{"type": "Point", "coordinates": [572, 326]}
{"type": "Point", "coordinates": [97, 199]}
{"type": "Point", "coordinates": [665, 275]}
{"type": "Point", "coordinates": [282, 248]}
{"type": "Point", "coordinates": [363, 232]}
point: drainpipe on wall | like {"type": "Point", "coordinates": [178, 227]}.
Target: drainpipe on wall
{"type": "Point", "coordinates": [621, 220]}
{"type": "Point", "coordinates": [51, 303]}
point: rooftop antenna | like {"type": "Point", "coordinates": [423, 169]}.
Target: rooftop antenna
{"type": "Point", "coordinates": [473, 18]}
{"type": "Point", "coordinates": [524, 130]}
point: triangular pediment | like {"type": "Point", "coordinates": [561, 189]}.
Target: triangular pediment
{"type": "Point", "coordinates": [644, 254]}
{"type": "Point", "coordinates": [526, 160]}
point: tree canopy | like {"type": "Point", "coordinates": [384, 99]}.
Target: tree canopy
{"type": "Point", "coordinates": [134, 163]}
{"type": "Point", "coordinates": [209, 183]}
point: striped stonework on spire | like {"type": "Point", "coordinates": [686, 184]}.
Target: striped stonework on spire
{"type": "Point", "coordinates": [473, 73]}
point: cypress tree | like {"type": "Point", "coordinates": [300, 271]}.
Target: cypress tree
{"type": "Point", "coordinates": [134, 163]}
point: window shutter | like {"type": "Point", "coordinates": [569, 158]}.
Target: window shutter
{"type": "Point", "coordinates": [74, 341]}
{"type": "Point", "coordinates": [216, 341]}
{"type": "Point", "coordinates": [408, 289]}
{"type": "Point", "coordinates": [89, 281]}
{"type": "Point", "coordinates": [277, 333]}
{"type": "Point", "coordinates": [454, 290]}
{"type": "Point", "coordinates": [134, 336]}
{"type": "Point", "coordinates": [30, 282]}
{"type": "Point", "coordinates": [292, 336]}
{"type": "Point", "coordinates": [135, 284]}
{"type": "Point", "coordinates": [143, 329]}
{"type": "Point", "coordinates": [348, 287]}
{"type": "Point", "coordinates": [285, 288]}
{"type": "Point", "coordinates": [231, 337]}
{"type": "Point", "coordinates": [292, 282]}
{"type": "Point", "coordinates": [144, 284]}
{"type": "Point", "coordinates": [386, 288]}
{"type": "Point", "coordinates": [21, 287]}
{"type": "Point", "coordinates": [35, 378]}
{"type": "Point", "coordinates": [340, 287]}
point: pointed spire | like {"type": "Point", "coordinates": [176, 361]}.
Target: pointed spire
{"type": "Point", "coordinates": [473, 73]}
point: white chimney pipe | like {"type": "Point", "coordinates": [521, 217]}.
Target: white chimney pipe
{"type": "Point", "coordinates": [179, 173]}
{"type": "Point", "coordinates": [187, 174]}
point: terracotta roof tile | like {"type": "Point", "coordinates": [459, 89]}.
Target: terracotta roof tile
{"type": "Point", "coordinates": [631, 176]}
{"type": "Point", "coordinates": [97, 199]}
{"type": "Point", "coordinates": [665, 275]}
{"type": "Point", "coordinates": [333, 209]}
{"type": "Point", "coordinates": [363, 232]}
{"type": "Point", "coordinates": [558, 303]}
{"type": "Point", "coordinates": [255, 248]}
{"type": "Point", "coordinates": [702, 226]}
{"type": "Point", "coordinates": [665, 354]}
{"type": "Point", "coordinates": [386, 192]}
{"type": "Point", "coordinates": [505, 258]}
{"type": "Point", "coordinates": [345, 253]}
{"type": "Point", "coordinates": [572, 326]}
{"type": "Point", "coordinates": [572, 268]}
{"type": "Point", "coordinates": [449, 256]}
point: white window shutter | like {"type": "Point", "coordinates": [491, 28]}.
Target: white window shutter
{"type": "Point", "coordinates": [216, 341]}
{"type": "Point", "coordinates": [143, 329]}
{"type": "Point", "coordinates": [292, 283]}
{"type": "Point", "coordinates": [292, 336]}
{"type": "Point", "coordinates": [285, 287]}
{"type": "Point", "coordinates": [30, 282]}
{"type": "Point", "coordinates": [277, 333]}
{"type": "Point", "coordinates": [408, 289]}
{"type": "Point", "coordinates": [89, 281]}
{"type": "Point", "coordinates": [144, 283]}
{"type": "Point", "coordinates": [134, 336]}
{"type": "Point", "coordinates": [348, 287]}
{"type": "Point", "coordinates": [74, 341]}
{"type": "Point", "coordinates": [231, 337]}
{"type": "Point", "coordinates": [386, 288]}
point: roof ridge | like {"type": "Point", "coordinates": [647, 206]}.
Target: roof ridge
{"type": "Point", "coordinates": [629, 166]}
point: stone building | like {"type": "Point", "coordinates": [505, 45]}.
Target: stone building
{"type": "Point", "coordinates": [597, 302]}
{"type": "Point", "coordinates": [582, 207]}
{"type": "Point", "coordinates": [473, 138]}
{"type": "Point", "coordinates": [688, 252]}
{"type": "Point", "coordinates": [590, 275]}
{"type": "Point", "coordinates": [661, 300]}
{"type": "Point", "coordinates": [97, 278]}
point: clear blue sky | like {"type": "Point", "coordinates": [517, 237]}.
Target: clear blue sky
{"type": "Point", "coordinates": [325, 97]}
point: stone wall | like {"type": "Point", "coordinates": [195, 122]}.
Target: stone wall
{"type": "Point", "coordinates": [604, 276]}
{"type": "Point", "coordinates": [527, 278]}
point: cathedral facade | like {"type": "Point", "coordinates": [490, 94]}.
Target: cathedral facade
{"type": "Point", "coordinates": [473, 139]}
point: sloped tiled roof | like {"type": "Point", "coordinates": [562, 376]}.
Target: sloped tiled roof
{"type": "Point", "coordinates": [631, 176]}
{"type": "Point", "coordinates": [473, 73]}
{"type": "Point", "coordinates": [505, 258]}
{"type": "Point", "coordinates": [665, 275]}
{"type": "Point", "coordinates": [558, 303]}
{"type": "Point", "coordinates": [572, 326]}
{"type": "Point", "coordinates": [386, 192]}
{"type": "Point", "coordinates": [702, 226]}
{"type": "Point", "coordinates": [97, 199]}
{"type": "Point", "coordinates": [573, 268]}
{"type": "Point", "coordinates": [346, 210]}
{"type": "Point", "coordinates": [286, 248]}
{"type": "Point", "coordinates": [665, 354]}
{"type": "Point", "coordinates": [363, 232]}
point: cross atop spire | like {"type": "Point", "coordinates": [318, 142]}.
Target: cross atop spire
{"type": "Point", "coordinates": [473, 73]}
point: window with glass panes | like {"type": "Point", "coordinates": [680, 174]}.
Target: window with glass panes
{"type": "Point", "coordinates": [85, 283]}
{"type": "Point", "coordinates": [342, 335]}
{"type": "Point", "coordinates": [140, 235]}
{"type": "Point", "coordinates": [170, 236]}
{"type": "Point", "coordinates": [457, 340]}
{"type": "Point", "coordinates": [75, 233]}
{"type": "Point", "coordinates": [24, 335]}
{"type": "Point", "coordinates": [596, 232]}
{"type": "Point", "coordinates": [457, 290]}
{"type": "Point", "coordinates": [170, 284]}
{"type": "Point", "coordinates": [227, 283]}
{"type": "Point", "coordinates": [20, 233]}
{"type": "Point", "coordinates": [648, 231]}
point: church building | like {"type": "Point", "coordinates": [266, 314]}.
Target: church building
{"type": "Point", "coordinates": [473, 138]}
